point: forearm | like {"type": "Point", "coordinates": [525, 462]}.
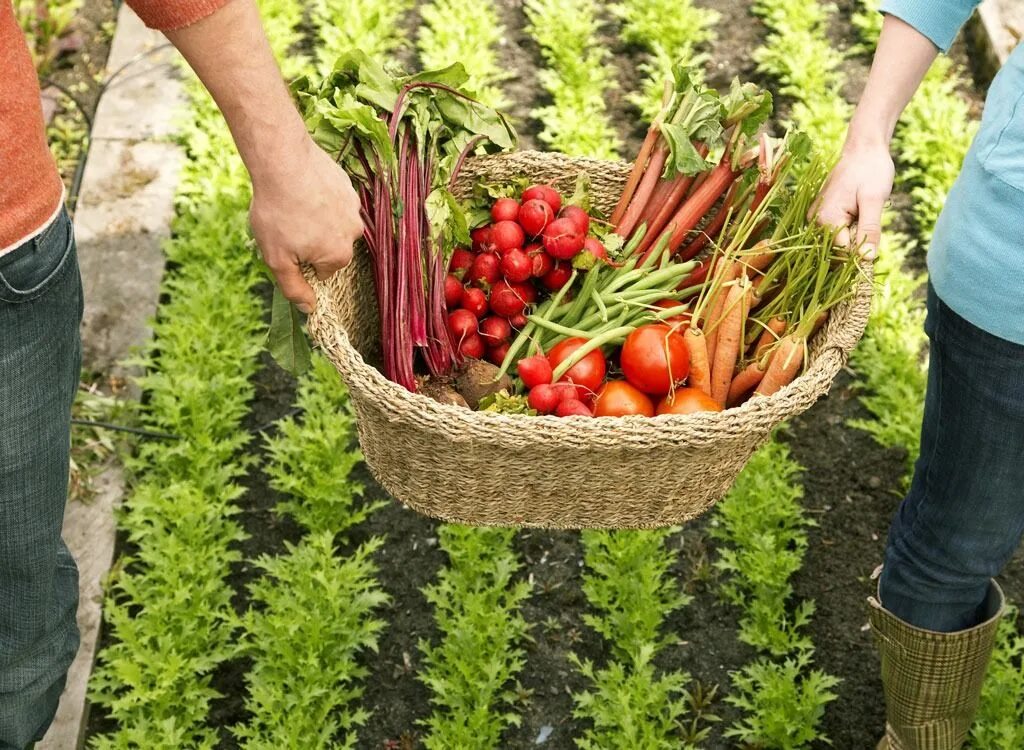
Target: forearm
{"type": "Point", "coordinates": [901, 61]}
{"type": "Point", "coordinates": [230, 53]}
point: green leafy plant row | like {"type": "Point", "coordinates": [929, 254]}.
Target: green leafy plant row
{"type": "Point", "coordinates": [369, 25]}
{"type": "Point", "coordinates": [668, 31]}
{"type": "Point", "coordinates": [43, 25]}
{"type": "Point", "coordinates": [471, 670]}
{"type": "Point", "coordinates": [629, 703]}
{"type": "Point", "coordinates": [466, 31]}
{"type": "Point", "coordinates": [169, 604]}
{"type": "Point", "coordinates": [578, 77]}
{"type": "Point", "coordinates": [764, 532]}
{"type": "Point", "coordinates": [314, 612]}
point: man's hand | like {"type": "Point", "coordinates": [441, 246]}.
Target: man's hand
{"type": "Point", "coordinates": [308, 212]}
{"type": "Point", "coordinates": [861, 182]}
{"type": "Point", "coordinates": [855, 193]}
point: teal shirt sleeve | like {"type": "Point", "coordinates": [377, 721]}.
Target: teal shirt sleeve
{"type": "Point", "coordinates": [939, 20]}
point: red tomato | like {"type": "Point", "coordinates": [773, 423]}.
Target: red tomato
{"type": "Point", "coordinates": [676, 322]}
{"type": "Point", "coordinates": [687, 401]}
{"type": "Point", "coordinates": [587, 374]}
{"type": "Point", "coordinates": [654, 358]}
{"type": "Point", "coordinates": [617, 398]}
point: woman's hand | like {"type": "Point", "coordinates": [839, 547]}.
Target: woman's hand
{"type": "Point", "coordinates": [306, 212]}
{"type": "Point", "coordinates": [855, 194]}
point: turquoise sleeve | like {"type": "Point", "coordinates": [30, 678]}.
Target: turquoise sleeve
{"type": "Point", "coordinates": [939, 20]}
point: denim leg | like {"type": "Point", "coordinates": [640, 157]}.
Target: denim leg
{"type": "Point", "coordinates": [40, 357]}
{"type": "Point", "coordinates": [963, 517]}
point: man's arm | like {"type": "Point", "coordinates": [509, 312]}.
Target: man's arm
{"type": "Point", "coordinates": [862, 181]}
{"type": "Point", "coordinates": [304, 208]}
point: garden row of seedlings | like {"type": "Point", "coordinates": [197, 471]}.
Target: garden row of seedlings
{"type": "Point", "coordinates": [761, 524]}
{"type": "Point", "coordinates": [478, 597]}
{"type": "Point", "coordinates": [931, 143]}
{"type": "Point", "coordinates": [169, 610]}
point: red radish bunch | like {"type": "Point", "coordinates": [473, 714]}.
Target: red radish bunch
{"type": "Point", "coordinates": [525, 251]}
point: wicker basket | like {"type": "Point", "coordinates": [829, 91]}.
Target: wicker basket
{"type": "Point", "coordinates": [488, 469]}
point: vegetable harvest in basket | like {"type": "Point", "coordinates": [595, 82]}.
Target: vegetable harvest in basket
{"type": "Point", "coordinates": [700, 291]}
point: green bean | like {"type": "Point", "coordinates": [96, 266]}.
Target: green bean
{"type": "Point", "coordinates": [608, 337]}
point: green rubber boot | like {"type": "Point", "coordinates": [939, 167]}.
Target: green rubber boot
{"type": "Point", "coordinates": [932, 680]}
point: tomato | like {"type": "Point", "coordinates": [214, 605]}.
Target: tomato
{"type": "Point", "coordinates": [676, 322]}
{"type": "Point", "coordinates": [587, 374]}
{"type": "Point", "coordinates": [687, 401]}
{"type": "Point", "coordinates": [654, 358]}
{"type": "Point", "coordinates": [617, 398]}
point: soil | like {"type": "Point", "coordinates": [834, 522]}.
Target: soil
{"type": "Point", "coordinates": [851, 484]}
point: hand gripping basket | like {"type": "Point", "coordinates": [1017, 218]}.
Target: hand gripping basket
{"type": "Point", "coordinates": [487, 469]}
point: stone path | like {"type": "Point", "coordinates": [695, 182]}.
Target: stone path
{"type": "Point", "coordinates": [124, 213]}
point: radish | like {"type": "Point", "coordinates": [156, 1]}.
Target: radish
{"type": "Point", "coordinates": [535, 370]}
{"type": "Point", "coordinates": [545, 193]}
{"type": "Point", "coordinates": [567, 391]}
{"type": "Point", "coordinates": [526, 292]}
{"type": "Point", "coordinates": [516, 265]}
{"type": "Point", "coordinates": [577, 216]}
{"type": "Point", "coordinates": [452, 291]}
{"type": "Point", "coordinates": [462, 324]}
{"type": "Point", "coordinates": [486, 269]}
{"type": "Point", "coordinates": [572, 407]}
{"type": "Point", "coordinates": [542, 262]}
{"type": "Point", "coordinates": [534, 216]}
{"type": "Point", "coordinates": [475, 301]}
{"type": "Point", "coordinates": [481, 237]}
{"type": "Point", "coordinates": [518, 321]}
{"type": "Point", "coordinates": [507, 235]}
{"type": "Point", "coordinates": [506, 301]}
{"type": "Point", "coordinates": [496, 354]}
{"type": "Point", "coordinates": [563, 239]}
{"type": "Point", "coordinates": [505, 209]}
{"type": "Point", "coordinates": [557, 277]}
{"type": "Point", "coordinates": [543, 398]}
{"type": "Point", "coordinates": [495, 330]}
{"type": "Point", "coordinates": [461, 262]}
{"type": "Point", "coordinates": [472, 346]}
{"type": "Point", "coordinates": [595, 248]}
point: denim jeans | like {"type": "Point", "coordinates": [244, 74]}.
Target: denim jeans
{"type": "Point", "coordinates": [40, 358]}
{"type": "Point", "coordinates": [964, 514]}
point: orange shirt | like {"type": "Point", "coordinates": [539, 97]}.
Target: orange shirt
{"type": "Point", "coordinates": [30, 187]}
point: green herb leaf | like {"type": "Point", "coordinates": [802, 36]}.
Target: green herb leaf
{"type": "Point", "coordinates": [286, 340]}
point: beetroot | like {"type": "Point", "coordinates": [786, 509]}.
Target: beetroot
{"type": "Point", "coordinates": [563, 239]}
{"type": "Point", "coordinates": [506, 301]}
{"type": "Point", "coordinates": [495, 330]}
{"type": "Point", "coordinates": [481, 237]}
{"type": "Point", "coordinates": [572, 407]}
{"type": "Point", "coordinates": [486, 269]}
{"type": "Point", "coordinates": [461, 262]}
{"type": "Point", "coordinates": [462, 324]}
{"type": "Point", "coordinates": [472, 346]}
{"type": "Point", "coordinates": [516, 265]}
{"type": "Point", "coordinates": [545, 193]}
{"type": "Point", "coordinates": [507, 235]}
{"type": "Point", "coordinates": [557, 277]}
{"type": "Point", "coordinates": [452, 291]}
{"type": "Point", "coordinates": [543, 398]}
{"type": "Point", "coordinates": [534, 216]}
{"type": "Point", "coordinates": [505, 209]}
{"type": "Point", "coordinates": [475, 301]}
{"type": "Point", "coordinates": [535, 370]}
{"type": "Point", "coordinates": [577, 216]}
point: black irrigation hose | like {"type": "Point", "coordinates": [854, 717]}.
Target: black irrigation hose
{"type": "Point", "coordinates": [125, 428]}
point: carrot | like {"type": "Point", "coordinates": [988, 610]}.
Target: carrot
{"type": "Point", "coordinates": [819, 322]}
{"type": "Point", "coordinates": [756, 260]}
{"type": "Point", "coordinates": [745, 381]}
{"type": "Point", "coordinates": [713, 318]}
{"type": "Point", "coordinates": [700, 369]}
{"type": "Point", "coordinates": [727, 349]}
{"type": "Point", "coordinates": [783, 367]}
{"type": "Point", "coordinates": [776, 327]}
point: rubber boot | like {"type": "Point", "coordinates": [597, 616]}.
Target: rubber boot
{"type": "Point", "coordinates": [932, 680]}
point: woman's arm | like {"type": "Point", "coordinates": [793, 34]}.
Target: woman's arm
{"type": "Point", "coordinates": [861, 182]}
{"type": "Point", "coordinates": [304, 208]}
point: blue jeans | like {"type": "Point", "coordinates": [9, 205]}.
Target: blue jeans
{"type": "Point", "coordinates": [40, 358]}
{"type": "Point", "coordinates": [963, 517]}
